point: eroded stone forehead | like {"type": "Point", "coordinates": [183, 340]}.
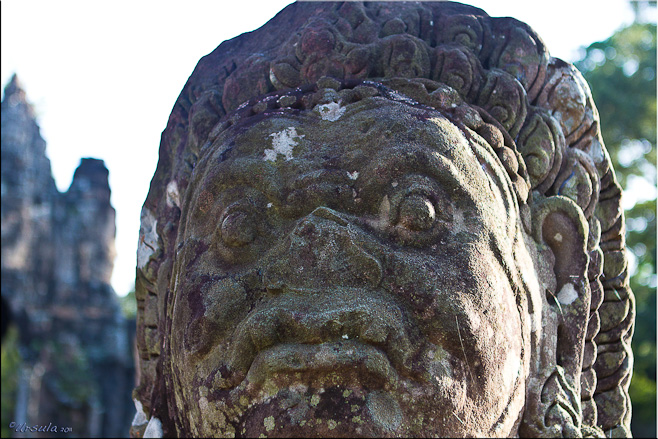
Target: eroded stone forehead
{"type": "Point", "coordinates": [374, 139]}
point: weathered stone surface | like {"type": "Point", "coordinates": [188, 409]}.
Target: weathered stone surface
{"type": "Point", "coordinates": [57, 259]}
{"type": "Point", "coordinates": [383, 219]}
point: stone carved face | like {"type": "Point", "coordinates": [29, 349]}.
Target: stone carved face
{"type": "Point", "coordinates": [342, 271]}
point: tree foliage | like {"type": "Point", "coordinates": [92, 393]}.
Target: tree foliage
{"type": "Point", "coordinates": [129, 304]}
{"type": "Point", "coordinates": [11, 363]}
{"type": "Point", "coordinates": [621, 72]}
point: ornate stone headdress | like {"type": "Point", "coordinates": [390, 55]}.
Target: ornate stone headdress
{"type": "Point", "coordinates": [439, 55]}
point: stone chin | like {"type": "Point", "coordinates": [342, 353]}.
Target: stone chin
{"type": "Point", "coordinates": [346, 272]}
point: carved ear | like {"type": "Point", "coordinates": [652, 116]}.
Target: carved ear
{"type": "Point", "coordinates": [560, 225]}
{"type": "Point", "coordinates": [559, 228]}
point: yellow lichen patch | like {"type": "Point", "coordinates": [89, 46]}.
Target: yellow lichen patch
{"type": "Point", "coordinates": [269, 423]}
{"type": "Point", "coordinates": [357, 420]}
{"type": "Point", "coordinates": [270, 388]}
{"type": "Point", "coordinates": [230, 431]}
{"type": "Point", "coordinates": [346, 393]}
{"type": "Point", "coordinates": [332, 424]}
{"type": "Point", "coordinates": [315, 399]}
{"type": "Point", "coordinates": [354, 408]}
{"type": "Point", "coordinates": [244, 402]}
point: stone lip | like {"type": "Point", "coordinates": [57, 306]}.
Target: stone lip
{"type": "Point", "coordinates": [350, 361]}
{"type": "Point", "coordinates": [290, 327]}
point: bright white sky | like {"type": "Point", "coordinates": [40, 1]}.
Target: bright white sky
{"type": "Point", "coordinates": [103, 76]}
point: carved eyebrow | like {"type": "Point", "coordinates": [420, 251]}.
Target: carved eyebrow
{"type": "Point", "coordinates": [335, 176]}
{"type": "Point", "coordinates": [394, 163]}
{"type": "Point", "coordinates": [246, 171]}
{"type": "Point", "coordinates": [211, 179]}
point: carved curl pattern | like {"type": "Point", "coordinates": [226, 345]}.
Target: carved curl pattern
{"type": "Point", "coordinates": [542, 145]}
{"type": "Point", "coordinates": [578, 180]}
{"type": "Point", "coordinates": [535, 110]}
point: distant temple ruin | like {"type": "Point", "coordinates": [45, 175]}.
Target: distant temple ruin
{"type": "Point", "coordinates": [57, 260]}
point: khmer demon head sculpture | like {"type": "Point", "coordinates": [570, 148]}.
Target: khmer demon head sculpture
{"type": "Point", "coordinates": [384, 219]}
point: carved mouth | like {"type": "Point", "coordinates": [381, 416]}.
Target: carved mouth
{"type": "Point", "coordinates": [340, 330]}
{"type": "Point", "coordinates": [344, 362]}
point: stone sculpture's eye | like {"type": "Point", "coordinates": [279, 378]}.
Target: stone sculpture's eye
{"type": "Point", "coordinates": [237, 229]}
{"type": "Point", "coordinates": [416, 213]}
{"type": "Point", "coordinates": [418, 210]}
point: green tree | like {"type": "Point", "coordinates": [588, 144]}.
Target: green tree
{"type": "Point", "coordinates": [129, 304]}
{"type": "Point", "coordinates": [11, 362]}
{"type": "Point", "coordinates": [621, 72]}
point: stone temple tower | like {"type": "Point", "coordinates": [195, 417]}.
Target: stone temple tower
{"type": "Point", "coordinates": [57, 260]}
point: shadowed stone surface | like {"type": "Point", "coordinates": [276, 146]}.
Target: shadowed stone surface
{"type": "Point", "coordinates": [384, 219]}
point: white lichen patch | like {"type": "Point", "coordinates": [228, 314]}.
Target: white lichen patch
{"type": "Point", "coordinates": [345, 336]}
{"type": "Point", "coordinates": [558, 237]}
{"type": "Point", "coordinates": [534, 319]}
{"type": "Point", "coordinates": [511, 369]}
{"type": "Point", "coordinates": [353, 175]}
{"type": "Point", "coordinates": [475, 320]}
{"type": "Point", "coordinates": [153, 429]}
{"type": "Point", "coordinates": [283, 143]}
{"type": "Point", "coordinates": [173, 197]}
{"type": "Point", "coordinates": [269, 205]}
{"type": "Point", "coordinates": [203, 404]}
{"type": "Point", "coordinates": [331, 111]}
{"type": "Point", "coordinates": [567, 294]}
{"type": "Point", "coordinates": [140, 416]}
{"type": "Point", "coordinates": [402, 98]}
{"type": "Point", "coordinates": [148, 238]}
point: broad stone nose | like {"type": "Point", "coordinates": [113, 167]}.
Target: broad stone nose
{"type": "Point", "coordinates": [322, 253]}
